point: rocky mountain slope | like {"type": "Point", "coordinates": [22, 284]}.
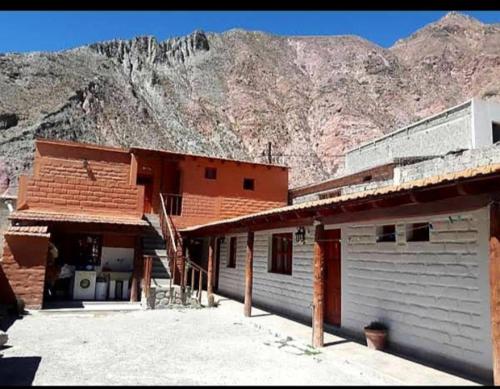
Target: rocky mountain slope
{"type": "Point", "coordinates": [230, 94]}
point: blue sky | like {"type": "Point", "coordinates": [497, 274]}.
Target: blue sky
{"type": "Point", "coordinates": [51, 31]}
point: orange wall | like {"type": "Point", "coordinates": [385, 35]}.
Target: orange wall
{"type": "Point", "coordinates": [22, 272]}
{"type": "Point", "coordinates": [206, 200]}
{"type": "Point", "coordinates": [62, 183]}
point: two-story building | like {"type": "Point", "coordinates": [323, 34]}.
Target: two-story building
{"type": "Point", "coordinates": [89, 213]}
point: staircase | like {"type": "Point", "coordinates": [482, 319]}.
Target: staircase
{"type": "Point", "coordinates": [153, 245]}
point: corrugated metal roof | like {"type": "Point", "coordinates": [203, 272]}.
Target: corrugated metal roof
{"type": "Point", "coordinates": [468, 173]}
{"type": "Point", "coordinates": [77, 218]}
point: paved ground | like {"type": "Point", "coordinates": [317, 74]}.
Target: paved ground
{"type": "Point", "coordinates": [203, 346]}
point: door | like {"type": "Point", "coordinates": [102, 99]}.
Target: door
{"type": "Point", "coordinates": [147, 182]}
{"type": "Point", "coordinates": [332, 277]}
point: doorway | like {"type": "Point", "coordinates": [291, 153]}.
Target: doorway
{"type": "Point", "coordinates": [332, 276]}
{"type": "Point", "coordinates": [147, 182]}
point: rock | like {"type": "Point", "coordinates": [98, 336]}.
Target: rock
{"type": "Point", "coordinates": [259, 88]}
{"type": "Point", "coordinates": [4, 338]}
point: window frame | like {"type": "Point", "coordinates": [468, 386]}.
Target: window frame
{"type": "Point", "coordinates": [381, 233]}
{"type": "Point", "coordinates": [410, 227]}
{"type": "Point", "coordinates": [252, 180]}
{"type": "Point", "coordinates": [281, 257]}
{"type": "Point", "coordinates": [213, 170]}
{"type": "Point", "coordinates": [231, 253]}
{"type": "Point", "coordinates": [495, 130]}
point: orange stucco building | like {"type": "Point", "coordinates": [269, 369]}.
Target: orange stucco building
{"type": "Point", "coordinates": [96, 205]}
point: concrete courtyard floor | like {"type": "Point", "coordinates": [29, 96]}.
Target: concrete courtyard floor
{"type": "Point", "coordinates": [208, 346]}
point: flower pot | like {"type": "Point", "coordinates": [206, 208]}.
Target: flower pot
{"type": "Point", "coordinates": [375, 339]}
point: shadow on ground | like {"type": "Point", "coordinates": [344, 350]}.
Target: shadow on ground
{"type": "Point", "coordinates": [18, 370]}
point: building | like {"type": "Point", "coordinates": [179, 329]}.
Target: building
{"type": "Point", "coordinates": [99, 206]}
{"type": "Point", "coordinates": [407, 234]}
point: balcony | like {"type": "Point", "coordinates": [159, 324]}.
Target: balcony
{"type": "Point", "coordinates": [173, 204]}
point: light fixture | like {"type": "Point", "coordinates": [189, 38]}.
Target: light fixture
{"type": "Point", "coordinates": [300, 235]}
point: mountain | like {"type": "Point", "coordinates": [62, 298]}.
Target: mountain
{"type": "Point", "coordinates": [230, 94]}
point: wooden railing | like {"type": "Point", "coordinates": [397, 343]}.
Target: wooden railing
{"type": "Point", "coordinates": [172, 203]}
{"type": "Point", "coordinates": [173, 242]}
{"type": "Point", "coordinates": [197, 274]}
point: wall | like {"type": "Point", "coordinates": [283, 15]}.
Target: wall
{"type": "Point", "coordinates": [62, 183]}
{"type": "Point", "coordinates": [232, 280]}
{"type": "Point", "coordinates": [118, 252]}
{"type": "Point", "coordinates": [451, 130]}
{"type": "Point", "coordinates": [22, 272]}
{"type": "Point", "coordinates": [205, 200]}
{"type": "Point", "coordinates": [484, 112]}
{"type": "Point", "coordinates": [287, 294]}
{"type": "Point", "coordinates": [4, 221]}
{"type": "Point", "coordinates": [434, 295]}
{"type": "Point", "coordinates": [482, 156]}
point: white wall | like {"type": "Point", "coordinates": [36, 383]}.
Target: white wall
{"type": "Point", "coordinates": [433, 295]}
{"type": "Point", "coordinates": [232, 280]}
{"type": "Point", "coordinates": [483, 114]}
{"type": "Point", "coordinates": [117, 258]}
{"type": "Point", "coordinates": [288, 294]}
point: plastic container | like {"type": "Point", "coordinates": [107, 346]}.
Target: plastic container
{"type": "Point", "coordinates": [101, 289]}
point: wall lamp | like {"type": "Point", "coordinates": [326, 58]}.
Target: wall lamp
{"type": "Point", "coordinates": [300, 235]}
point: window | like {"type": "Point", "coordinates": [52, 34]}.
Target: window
{"type": "Point", "coordinates": [495, 127]}
{"type": "Point", "coordinates": [417, 232]}
{"type": "Point", "coordinates": [281, 253]}
{"type": "Point", "coordinates": [248, 183]}
{"type": "Point", "coordinates": [210, 173]}
{"type": "Point", "coordinates": [386, 233]}
{"type": "Point", "coordinates": [231, 262]}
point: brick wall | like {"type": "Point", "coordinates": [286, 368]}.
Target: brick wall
{"type": "Point", "coordinates": [62, 183]}
{"type": "Point", "coordinates": [22, 271]}
{"type": "Point", "coordinates": [62, 194]}
{"type": "Point", "coordinates": [201, 209]}
{"type": "Point", "coordinates": [433, 295]}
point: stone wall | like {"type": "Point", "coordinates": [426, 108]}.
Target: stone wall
{"type": "Point", "coordinates": [451, 130]}
{"type": "Point", "coordinates": [434, 296]}
{"type": "Point", "coordinates": [163, 297]}
{"type": "Point", "coordinates": [448, 163]}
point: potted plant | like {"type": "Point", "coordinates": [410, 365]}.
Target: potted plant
{"type": "Point", "coordinates": [376, 335]}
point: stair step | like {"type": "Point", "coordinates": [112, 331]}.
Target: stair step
{"type": "Point", "coordinates": [157, 252]}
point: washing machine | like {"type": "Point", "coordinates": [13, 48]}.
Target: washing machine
{"type": "Point", "coordinates": [84, 286]}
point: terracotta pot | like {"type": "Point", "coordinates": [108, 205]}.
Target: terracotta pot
{"type": "Point", "coordinates": [375, 339]}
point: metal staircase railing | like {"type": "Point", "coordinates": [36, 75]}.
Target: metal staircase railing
{"type": "Point", "coordinates": [173, 243]}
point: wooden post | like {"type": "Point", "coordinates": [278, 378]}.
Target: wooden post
{"type": "Point", "coordinates": [249, 275]}
{"type": "Point", "coordinates": [319, 287]}
{"type": "Point", "coordinates": [210, 270]}
{"type": "Point", "coordinates": [148, 265]}
{"type": "Point", "coordinates": [136, 274]}
{"type": "Point", "coordinates": [494, 260]}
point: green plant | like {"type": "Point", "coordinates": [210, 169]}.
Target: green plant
{"type": "Point", "coordinates": [376, 325]}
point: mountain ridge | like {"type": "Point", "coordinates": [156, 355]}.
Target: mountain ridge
{"type": "Point", "coordinates": [229, 94]}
